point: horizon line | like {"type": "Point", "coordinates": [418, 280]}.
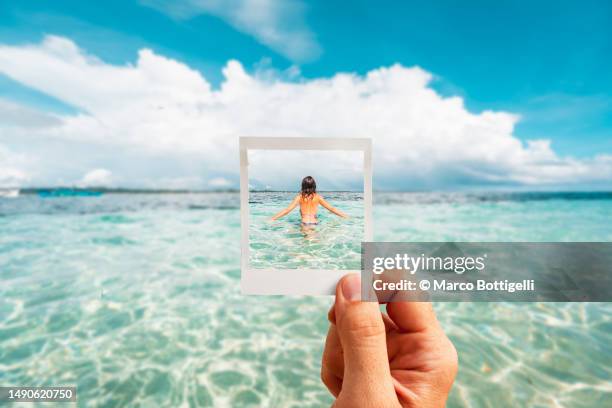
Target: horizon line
{"type": "Point", "coordinates": [34, 190]}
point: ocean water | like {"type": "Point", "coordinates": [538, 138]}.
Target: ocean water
{"type": "Point", "coordinates": [135, 299]}
{"type": "Point", "coordinates": [335, 243]}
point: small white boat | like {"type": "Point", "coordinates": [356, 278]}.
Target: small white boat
{"type": "Point", "coordinates": [9, 193]}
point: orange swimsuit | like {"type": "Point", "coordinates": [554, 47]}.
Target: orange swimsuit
{"type": "Point", "coordinates": [308, 209]}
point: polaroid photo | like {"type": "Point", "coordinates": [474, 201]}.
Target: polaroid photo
{"type": "Point", "coordinates": [305, 206]}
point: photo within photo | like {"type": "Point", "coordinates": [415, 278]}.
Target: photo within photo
{"type": "Point", "coordinates": [306, 209]}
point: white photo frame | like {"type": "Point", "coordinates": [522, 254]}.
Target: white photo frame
{"type": "Point", "coordinates": [296, 281]}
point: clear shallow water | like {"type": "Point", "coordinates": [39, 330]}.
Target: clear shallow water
{"type": "Point", "coordinates": [335, 243]}
{"type": "Point", "coordinates": [135, 299]}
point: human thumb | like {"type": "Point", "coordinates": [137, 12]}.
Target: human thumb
{"type": "Point", "coordinates": [362, 336]}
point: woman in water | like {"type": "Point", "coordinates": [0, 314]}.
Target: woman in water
{"type": "Point", "coordinates": [309, 200]}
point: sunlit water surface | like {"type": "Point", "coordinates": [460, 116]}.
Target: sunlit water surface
{"type": "Point", "coordinates": [135, 299]}
{"type": "Point", "coordinates": [334, 243]}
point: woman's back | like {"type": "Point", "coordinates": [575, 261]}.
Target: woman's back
{"type": "Point", "coordinates": [309, 201]}
{"type": "Point", "coordinates": [308, 207]}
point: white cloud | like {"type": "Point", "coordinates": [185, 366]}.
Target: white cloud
{"type": "Point", "coordinates": [219, 182]}
{"type": "Point", "coordinates": [97, 178]}
{"type": "Point", "coordinates": [278, 24]}
{"type": "Point", "coordinates": [11, 169]}
{"type": "Point", "coordinates": [14, 115]}
{"type": "Point", "coordinates": [161, 110]}
{"type": "Point", "coordinates": [332, 170]}
{"type": "Point", "coordinates": [12, 177]}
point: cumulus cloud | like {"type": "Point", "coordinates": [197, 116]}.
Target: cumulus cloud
{"type": "Point", "coordinates": [220, 182]}
{"type": "Point", "coordinates": [14, 115]}
{"type": "Point", "coordinates": [332, 170]}
{"type": "Point", "coordinates": [278, 24]}
{"type": "Point", "coordinates": [160, 108]}
{"type": "Point", "coordinates": [11, 172]}
{"type": "Point", "coordinates": [12, 177]}
{"type": "Point", "coordinates": [97, 178]}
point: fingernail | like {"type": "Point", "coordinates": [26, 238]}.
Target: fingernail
{"type": "Point", "coordinates": [351, 287]}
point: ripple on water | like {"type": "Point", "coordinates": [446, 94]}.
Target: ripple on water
{"type": "Point", "coordinates": [158, 324]}
{"type": "Point", "coordinates": [284, 244]}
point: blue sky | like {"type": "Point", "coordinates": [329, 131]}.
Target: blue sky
{"type": "Point", "coordinates": [546, 62]}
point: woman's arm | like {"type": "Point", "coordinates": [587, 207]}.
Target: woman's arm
{"type": "Point", "coordinates": [331, 209]}
{"type": "Point", "coordinates": [287, 210]}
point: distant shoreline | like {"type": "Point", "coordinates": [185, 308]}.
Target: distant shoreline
{"type": "Point", "coordinates": [103, 190]}
{"type": "Point", "coordinates": [473, 194]}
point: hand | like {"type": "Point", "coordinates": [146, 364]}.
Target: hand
{"type": "Point", "coordinates": [398, 359]}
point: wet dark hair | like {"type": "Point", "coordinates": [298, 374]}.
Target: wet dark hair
{"type": "Point", "coordinates": [309, 187]}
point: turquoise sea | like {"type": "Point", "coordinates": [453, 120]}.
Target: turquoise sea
{"type": "Point", "coordinates": [334, 243]}
{"type": "Point", "coordinates": [135, 299]}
